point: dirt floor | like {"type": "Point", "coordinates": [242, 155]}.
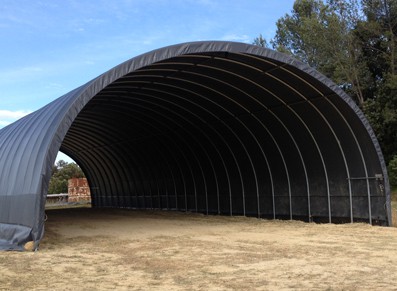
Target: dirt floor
{"type": "Point", "coordinates": [88, 249]}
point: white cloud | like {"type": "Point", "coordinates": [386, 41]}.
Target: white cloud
{"type": "Point", "coordinates": [236, 37]}
{"type": "Point", "coordinates": [4, 123]}
{"type": "Point", "coordinates": [8, 116]}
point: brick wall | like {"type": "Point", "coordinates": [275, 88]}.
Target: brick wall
{"type": "Point", "coordinates": [78, 190]}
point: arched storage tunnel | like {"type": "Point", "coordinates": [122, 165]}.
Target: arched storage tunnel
{"type": "Point", "coordinates": [212, 127]}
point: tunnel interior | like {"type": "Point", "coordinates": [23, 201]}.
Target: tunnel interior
{"type": "Point", "coordinates": [228, 133]}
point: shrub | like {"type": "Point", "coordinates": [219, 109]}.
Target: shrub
{"type": "Point", "coordinates": [392, 169]}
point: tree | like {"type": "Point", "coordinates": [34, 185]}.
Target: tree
{"type": "Point", "coordinates": [61, 173]}
{"type": "Point", "coordinates": [260, 41]}
{"type": "Point", "coordinates": [299, 33]}
{"type": "Point", "coordinates": [392, 168]}
{"type": "Point", "coordinates": [355, 45]}
{"type": "Point", "coordinates": [378, 37]}
{"type": "Point", "coordinates": [321, 35]}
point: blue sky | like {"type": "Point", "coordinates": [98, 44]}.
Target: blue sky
{"type": "Point", "coordinates": [50, 47]}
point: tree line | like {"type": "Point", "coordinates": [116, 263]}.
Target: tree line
{"type": "Point", "coordinates": [354, 43]}
{"type": "Point", "coordinates": [61, 172]}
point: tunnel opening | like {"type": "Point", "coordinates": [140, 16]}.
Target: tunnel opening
{"type": "Point", "coordinates": [224, 133]}
{"type": "Point", "coordinates": [68, 185]}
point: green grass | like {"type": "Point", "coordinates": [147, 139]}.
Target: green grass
{"type": "Point", "coordinates": [394, 198]}
{"type": "Point", "coordinates": [394, 206]}
{"type": "Point", "coordinates": [393, 191]}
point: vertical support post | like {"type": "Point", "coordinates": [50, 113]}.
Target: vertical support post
{"type": "Point", "coordinates": [369, 201]}
{"type": "Point", "coordinates": [329, 206]}
{"type": "Point", "coordinates": [350, 199]}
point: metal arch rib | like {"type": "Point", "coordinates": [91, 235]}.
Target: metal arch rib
{"type": "Point", "coordinates": [237, 137]}
{"type": "Point", "coordinates": [269, 110]}
{"type": "Point", "coordinates": [197, 160]}
{"type": "Point", "coordinates": [344, 157]}
{"type": "Point", "coordinates": [339, 145]}
{"type": "Point", "coordinates": [151, 76]}
{"type": "Point", "coordinates": [220, 156]}
{"type": "Point", "coordinates": [286, 168]}
{"type": "Point", "coordinates": [152, 103]}
{"type": "Point", "coordinates": [305, 125]}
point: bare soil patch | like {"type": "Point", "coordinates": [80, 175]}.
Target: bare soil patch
{"type": "Point", "coordinates": [91, 249]}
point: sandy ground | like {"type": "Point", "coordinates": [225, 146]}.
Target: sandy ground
{"type": "Point", "coordinates": [87, 249]}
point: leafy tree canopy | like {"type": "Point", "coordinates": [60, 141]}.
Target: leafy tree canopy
{"type": "Point", "coordinates": [61, 173]}
{"type": "Point", "coordinates": [354, 43]}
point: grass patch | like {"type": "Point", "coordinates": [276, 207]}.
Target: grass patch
{"type": "Point", "coordinates": [394, 206]}
{"type": "Point", "coordinates": [394, 194]}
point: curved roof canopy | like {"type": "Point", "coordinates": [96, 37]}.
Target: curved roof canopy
{"type": "Point", "coordinates": [213, 127]}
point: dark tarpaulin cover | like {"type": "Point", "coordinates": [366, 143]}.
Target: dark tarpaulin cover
{"type": "Point", "coordinates": [29, 146]}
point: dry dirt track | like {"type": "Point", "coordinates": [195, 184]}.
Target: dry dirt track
{"type": "Point", "coordinates": [87, 249]}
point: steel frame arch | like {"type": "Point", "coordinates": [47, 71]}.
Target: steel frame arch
{"type": "Point", "coordinates": [29, 146]}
